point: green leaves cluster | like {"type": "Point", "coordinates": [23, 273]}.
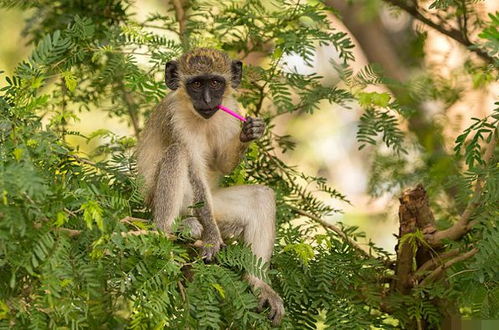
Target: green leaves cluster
{"type": "Point", "coordinates": [70, 258]}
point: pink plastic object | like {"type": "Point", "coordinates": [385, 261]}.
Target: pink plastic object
{"type": "Point", "coordinates": [232, 113]}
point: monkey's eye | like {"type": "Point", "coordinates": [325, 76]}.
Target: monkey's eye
{"type": "Point", "coordinates": [196, 84]}
{"type": "Point", "coordinates": [215, 84]}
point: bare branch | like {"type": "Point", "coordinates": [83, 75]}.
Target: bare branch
{"type": "Point", "coordinates": [76, 232]}
{"type": "Point", "coordinates": [463, 225]}
{"type": "Point", "coordinates": [334, 228]}
{"type": "Point", "coordinates": [130, 220]}
{"type": "Point", "coordinates": [70, 232]}
{"type": "Point", "coordinates": [180, 16]}
{"type": "Point", "coordinates": [131, 107]}
{"type": "Point", "coordinates": [442, 268]}
{"type": "Point", "coordinates": [432, 263]}
{"type": "Point", "coordinates": [452, 33]}
{"type": "Point", "coordinates": [83, 160]}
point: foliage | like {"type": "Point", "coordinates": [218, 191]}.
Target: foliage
{"type": "Point", "coordinates": [70, 257]}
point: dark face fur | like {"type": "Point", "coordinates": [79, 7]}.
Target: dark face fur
{"type": "Point", "coordinates": [206, 90]}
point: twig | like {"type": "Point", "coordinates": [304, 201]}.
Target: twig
{"type": "Point", "coordinates": [72, 213]}
{"type": "Point", "coordinates": [131, 107]}
{"type": "Point", "coordinates": [159, 27]}
{"type": "Point", "coordinates": [76, 232]}
{"type": "Point", "coordinates": [70, 232]}
{"type": "Point", "coordinates": [442, 268]}
{"type": "Point", "coordinates": [463, 271]}
{"type": "Point", "coordinates": [181, 289]}
{"type": "Point", "coordinates": [463, 225]}
{"type": "Point", "coordinates": [180, 15]}
{"type": "Point", "coordinates": [452, 33]}
{"type": "Point", "coordinates": [83, 160]}
{"type": "Point", "coordinates": [432, 263]}
{"type": "Point", "coordinates": [334, 228]}
{"type": "Point", "coordinates": [130, 220]}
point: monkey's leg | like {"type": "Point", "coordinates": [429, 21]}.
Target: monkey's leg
{"type": "Point", "coordinates": [171, 183]}
{"type": "Point", "coordinates": [249, 211]}
{"type": "Point", "coordinates": [211, 237]}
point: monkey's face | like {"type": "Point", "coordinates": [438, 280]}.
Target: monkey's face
{"type": "Point", "coordinates": [206, 92]}
{"type": "Point", "coordinates": [205, 75]}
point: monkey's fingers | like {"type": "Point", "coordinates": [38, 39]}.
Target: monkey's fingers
{"type": "Point", "coordinates": [276, 311]}
{"type": "Point", "coordinates": [255, 134]}
{"type": "Point", "coordinates": [254, 122]}
{"type": "Point", "coordinates": [208, 254]}
{"type": "Point", "coordinates": [253, 127]}
{"type": "Point", "coordinates": [210, 250]}
{"type": "Point", "coordinates": [272, 314]}
{"type": "Point", "coordinates": [276, 305]}
{"type": "Point", "coordinates": [262, 303]}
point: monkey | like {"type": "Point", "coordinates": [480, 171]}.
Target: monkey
{"type": "Point", "coordinates": [187, 145]}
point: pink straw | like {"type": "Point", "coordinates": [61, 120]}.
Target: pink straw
{"type": "Point", "coordinates": [232, 113]}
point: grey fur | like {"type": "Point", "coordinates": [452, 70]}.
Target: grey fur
{"type": "Point", "coordinates": [181, 157]}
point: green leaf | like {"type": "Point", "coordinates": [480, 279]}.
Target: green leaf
{"type": "Point", "coordinates": [18, 153]}
{"type": "Point", "coordinates": [69, 80]}
{"type": "Point", "coordinates": [92, 213]}
{"type": "Point", "coordinates": [304, 251]}
{"type": "Point", "coordinates": [373, 99]}
{"type": "Point", "coordinates": [219, 288]}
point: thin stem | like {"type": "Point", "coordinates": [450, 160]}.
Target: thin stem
{"type": "Point", "coordinates": [463, 225]}
{"type": "Point", "coordinates": [452, 33]}
{"type": "Point", "coordinates": [434, 262]}
{"type": "Point", "coordinates": [178, 5]}
{"type": "Point", "coordinates": [442, 268]}
{"type": "Point", "coordinates": [131, 107]}
{"type": "Point", "coordinates": [334, 228]}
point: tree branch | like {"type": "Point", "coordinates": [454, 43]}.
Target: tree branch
{"type": "Point", "coordinates": [132, 108]}
{"type": "Point", "coordinates": [412, 202]}
{"type": "Point", "coordinates": [178, 5]}
{"type": "Point", "coordinates": [463, 225]}
{"type": "Point", "coordinates": [442, 268]}
{"type": "Point", "coordinates": [83, 160]}
{"type": "Point", "coordinates": [70, 232]}
{"type": "Point", "coordinates": [433, 262]}
{"type": "Point", "coordinates": [334, 228]}
{"type": "Point", "coordinates": [452, 33]}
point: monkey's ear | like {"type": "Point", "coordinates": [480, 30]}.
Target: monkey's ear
{"type": "Point", "coordinates": [171, 75]}
{"type": "Point", "coordinates": [237, 72]}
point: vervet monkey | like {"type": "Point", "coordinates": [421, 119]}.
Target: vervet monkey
{"type": "Point", "coordinates": [187, 145]}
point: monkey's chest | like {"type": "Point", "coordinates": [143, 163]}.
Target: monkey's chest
{"type": "Point", "coordinates": [213, 159]}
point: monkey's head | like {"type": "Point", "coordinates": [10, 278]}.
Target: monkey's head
{"type": "Point", "coordinates": [206, 74]}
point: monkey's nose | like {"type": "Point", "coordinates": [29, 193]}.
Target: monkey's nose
{"type": "Point", "coordinates": [206, 96]}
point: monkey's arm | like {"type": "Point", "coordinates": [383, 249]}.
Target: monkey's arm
{"type": "Point", "coordinates": [170, 186]}
{"type": "Point", "coordinates": [228, 160]}
{"type": "Point", "coordinates": [211, 237]}
{"type": "Point", "coordinates": [252, 129]}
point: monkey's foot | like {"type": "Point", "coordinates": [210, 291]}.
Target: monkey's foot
{"type": "Point", "coordinates": [268, 297]}
{"type": "Point", "coordinates": [210, 248]}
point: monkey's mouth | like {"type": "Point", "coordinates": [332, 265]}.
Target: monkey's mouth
{"type": "Point", "coordinates": [207, 112]}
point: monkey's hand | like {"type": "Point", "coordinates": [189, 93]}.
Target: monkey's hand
{"type": "Point", "coordinates": [253, 129]}
{"type": "Point", "coordinates": [268, 297]}
{"type": "Point", "coordinates": [212, 243]}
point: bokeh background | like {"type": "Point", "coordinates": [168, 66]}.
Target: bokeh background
{"type": "Point", "coordinates": [326, 140]}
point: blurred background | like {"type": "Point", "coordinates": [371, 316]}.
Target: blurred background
{"type": "Point", "coordinates": [326, 140]}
